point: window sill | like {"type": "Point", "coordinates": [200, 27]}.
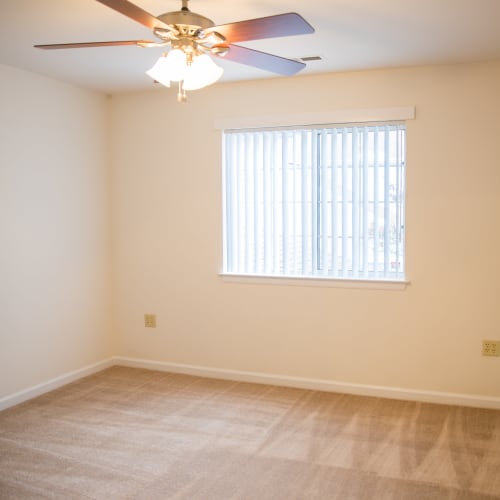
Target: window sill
{"type": "Point", "coordinates": [315, 282]}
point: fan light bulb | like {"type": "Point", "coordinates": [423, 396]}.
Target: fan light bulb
{"type": "Point", "coordinates": [173, 67]}
{"type": "Point", "coordinates": [159, 72]}
{"type": "Point", "coordinates": [202, 72]}
{"type": "Point", "coordinates": [169, 68]}
{"type": "Point", "coordinates": [177, 65]}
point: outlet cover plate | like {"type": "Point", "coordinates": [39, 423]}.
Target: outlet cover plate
{"type": "Point", "coordinates": [491, 347]}
{"type": "Point", "coordinates": [150, 320]}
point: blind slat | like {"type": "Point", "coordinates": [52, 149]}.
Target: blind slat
{"type": "Point", "coordinates": [344, 230]}
{"type": "Point", "coordinates": [267, 204]}
{"type": "Point", "coordinates": [355, 202]}
{"type": "Point", "coordinates": [387, 195]}
{"type": "Point", "coordinates": [324, 203]}
{"type": "Point", "coordinates": [304, 218]}
{"type": "Point", "coordinates": [277, 227]}
{"type": "Point", "coordinates": [335, 205]}
{"type": "Point", "coordinates": [284, 202]}
{"type": "Point", "coordinates": [365, 229]}
{"type": "Point", "coordinates": [376, 207]}
{"type": "Point", "coordinates": [314, 201]}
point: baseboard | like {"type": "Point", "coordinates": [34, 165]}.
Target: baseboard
{"type": "Point", "coordinates": [471, 400]}
{"type": "Point", "coordinates": [55, 383]}
{"type": "Point", "coordinates": [457, 399]}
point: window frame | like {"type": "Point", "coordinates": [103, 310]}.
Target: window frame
{"type": "Point", "coordinates": [315, 120]}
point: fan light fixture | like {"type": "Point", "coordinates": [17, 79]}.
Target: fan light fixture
{"type": "Point", "coordinates": [193, 38]}
{"type": "Point", "coordinates": [192, 72]}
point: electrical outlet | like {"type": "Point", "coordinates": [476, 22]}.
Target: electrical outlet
{"type": "Point", "coordinates": [491, 347]}
{"type": "Point", "coordinates": [150, 320]}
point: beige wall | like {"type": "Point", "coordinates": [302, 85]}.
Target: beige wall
{"type": "Point", "coordinates": [166, 235]}
{"type": "Point", "coordinates": [54, 229]}
{"type": "Point", "coordinates": [167, 238]}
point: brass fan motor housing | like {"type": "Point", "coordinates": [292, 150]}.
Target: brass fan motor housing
{"type": "Point", "coordinates": [187, 23]}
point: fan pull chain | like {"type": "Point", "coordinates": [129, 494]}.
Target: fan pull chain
{"type": "Point", "coordinates": [181, 94]}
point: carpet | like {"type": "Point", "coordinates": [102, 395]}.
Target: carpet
{"type": "Point", "coordinates": [127, 433]}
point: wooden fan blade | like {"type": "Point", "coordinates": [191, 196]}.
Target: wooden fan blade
{"type": "Point", "coordinates": [84, 45]}
{"type": "Point", "coordinates": [263, 60]}
{"type": "Point", "coordinates": [264, 27]}
{"type": "Point", "coordinates": [136, 13]}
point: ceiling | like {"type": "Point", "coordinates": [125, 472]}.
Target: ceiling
{"type": "Point", "coordinates": [350, 35]}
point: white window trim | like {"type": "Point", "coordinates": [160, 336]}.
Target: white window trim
{"type": "Point", "coordinates": [315, 282]}
{"type": "Point", "coordinates": [318, 118]}
{"type": "Point", "coordinates": [366, 115]}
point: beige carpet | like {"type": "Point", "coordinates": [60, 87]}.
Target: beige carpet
{"type": "Point", "coordinates": [138, 434]}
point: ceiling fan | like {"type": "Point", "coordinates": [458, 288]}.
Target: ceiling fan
{"type": "Point", "coordinates": [192, 38]}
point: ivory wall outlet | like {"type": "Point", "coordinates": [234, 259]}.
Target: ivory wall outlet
{"type": "Point", "coordinates": [491, 347]}
{"type": "Point", "coordinates": [150, 320]}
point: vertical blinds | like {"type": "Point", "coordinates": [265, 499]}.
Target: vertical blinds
{"type": "Point", "coordinates": [315, 202]}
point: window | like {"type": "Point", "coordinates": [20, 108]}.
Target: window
{"type": "Point", "coordinates": [315, 202]}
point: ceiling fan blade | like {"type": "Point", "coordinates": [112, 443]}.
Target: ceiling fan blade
{"type": "Point", "coordinates": [136, 13]}
{"type": "Point", "coordinates": [84, 45]}
{"type": "Point", "coordinates": [264, 27]}
{"type": "Point", "coordinates": [263, 60]}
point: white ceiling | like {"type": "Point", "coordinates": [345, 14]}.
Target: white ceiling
{"type": "Point", "coordinates": [350, 35]}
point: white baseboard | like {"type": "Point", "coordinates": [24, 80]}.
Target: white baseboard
{"type": "Point", "coordinates": [471, 400]}
{"type": "Point", "coordinates": [55, 383]}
